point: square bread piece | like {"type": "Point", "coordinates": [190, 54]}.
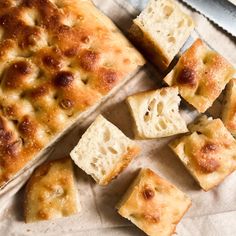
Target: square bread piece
{"type": "Point", "coordinates": [153, 204]}
{"type": "Point", "coordinates": [156, 113]}
{"type": "Point", "coordinates": [59, 59]}
{"type": "Point", "coordinates": [51, 192]}
{"type": "Point", "coordinates": [208, 152]}
{"type": "Point", "coordinates": [161, 30]}
{"type": "Point", "coordinates": [229, 109]}
{"type": "Point", "coordinates": [104, 151]}
{"type": "Point", "coordinates": [200, 74]}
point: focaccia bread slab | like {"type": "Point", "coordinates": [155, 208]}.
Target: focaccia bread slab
{"type": "Point", "coordinates": [200, 74]}
{"type": "Point", "coordinates": [156, 113]}
{"type": "Point", "coordinates": [58, 60]}
{"type": "Point", "coordinates": [153, 204]}
{"type": "Point", "coordinates": [161, 30]}
{"type": "Point", "coordinates": [104, 151]}
{"type": "Point", "coordinates": [51, 192]}
{"type": "Point", "coordinates": [229, 108]}
{"type": "Point", "coordinates": [208, 152]}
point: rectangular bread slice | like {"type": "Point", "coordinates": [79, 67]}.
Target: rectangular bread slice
{"type": "Point", "coordinates": [153, 204]}
{"type": "Point", "coordinates": [208, 152]}
{"type": "Point", "coordinates": [200, 74]}
{"type": "Point", "coordinates": [104, 151]}
{"type": "Point", "coordinates": [51, 192]}
{"type": "Point", "coordinates": [229, 109]}
{"type": "Point", "coordinates": [156, 113]}
{"type": "Point", "coordinates": [58, 61]}
{"type": "Point", "coordinates": [161, 30]}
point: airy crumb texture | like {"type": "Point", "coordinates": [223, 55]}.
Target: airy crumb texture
{"type": "Point", "coordinates": [58, 59]}
{"type": "Point", "coordinates": [229, 109]}
{"type": "Point", "coordinates": [201, 74]}
{"type": "Point", "coordinates": [156, 113]}
{"type": "Point", "coordinates": [209, 152]}
{"type": "Point", "coordinates": [153, 204]}
{"type": "Point", "coordinates": [51, 192]}
{"type": "Point", "coordinates": [161, 30]}
{"type": "Point", "coordinates": [104, 151]}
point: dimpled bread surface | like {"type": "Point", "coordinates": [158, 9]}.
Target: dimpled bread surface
{"type": "Point", "coordinates": [57, 59]}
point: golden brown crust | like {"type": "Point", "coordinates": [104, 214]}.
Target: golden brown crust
{"type": "Point", "coordinates": [50, 192]}
{"type": "Point", "coordinates": [229, 109]}
{"type": "Point", "coordinates": [122, 164]}
{"type": "Point", "coordinates": [201, 75]}
{"type": "Point", "coordinates": [208, 152]}
{"type": "Point", "coordinates": [57, 59]}
{"type": "Point", "coordinates": [153, 204]}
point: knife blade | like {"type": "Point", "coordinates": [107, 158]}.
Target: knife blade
{"type": "Point", "coordinates": [221, 12]}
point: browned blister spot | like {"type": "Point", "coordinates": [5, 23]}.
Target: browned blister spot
{"type": "Point", "coordinates": [26, 127]}
{"type": "Point", "coordinates": [89, 60]}
{"type": "Point", "coordinates": [51, 61]}
{"type": "Point", "coordinates": [152, 218]}
{"type": "Point", "coordinates": [10, 111]}
{"type": "Point", "coordinates": [208, 165]}
{"type": "Point", "coordinates": [108, 78]}
{"type": "Point", "coordinates": [39, 92]}
{"type": "Point", "coordinates": [13, 148]}
{"type": "Point", "coordinates": [17, 74]}
{"type": "Point", "coordinates": [71, 52]}
{"type": "Point", "coordinates": [66, 104]}
{"type": "Point", "coordinates": [187, 77]}
{"type": "Point", "coordinates": [85, 39]}
{"type": "Point", "coordinates": [209, 147]}
{"type": "Point", "coordinates": [30, 37]}
{"type": "Point", "coordinates": [148, 193]}
{"type": "Point", "coordinates": [42, 215]}
{"type": "Point", "coordinates": [63, 79]}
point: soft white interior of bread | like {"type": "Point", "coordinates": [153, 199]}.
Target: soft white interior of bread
{"type": "Point", "coordinates": [166, 24]}
{"type": "Point", "coordinates": [156, 113]}
{"type": "Point", "coordinates": [100, 149]}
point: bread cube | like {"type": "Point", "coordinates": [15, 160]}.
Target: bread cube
{"type": "Point", "coordinates": [104, 151]}
{"type": "Point", "coordinates": [229, 109]}
{"type": "Point", "coordinates": [161, 30]}
{"type": "Point", "coordinates": [51, 192]}
{"type": "Point", "coordinates": [153, 204]}
{"type": "Point", "coordinates": [156, 113]}
{"type": "Point", "coordinates": [200, 74]}
{"type": "Point", "coordinates": [208, 152]}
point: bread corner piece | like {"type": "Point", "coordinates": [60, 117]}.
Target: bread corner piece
{"type": "Point", "coordinates": [104, 151]}
{"type": "Point", "coordinates": [156, 113]}
{"type": "Point", "coordinates": [200, 74]}
{"type": "Point", "coordinates": [161, 30]}
{"type": "Point", "coordinates": [208, 152]}
{"type": "Point", "coordinates": [229, 111]}
{"type": "Point", "coordinates": [153, 204]}
{"type": "Point", "coordinates": [51, 192]}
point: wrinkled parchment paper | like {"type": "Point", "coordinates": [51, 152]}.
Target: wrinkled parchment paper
{"type": "Point", "coordinates": [212, 213]}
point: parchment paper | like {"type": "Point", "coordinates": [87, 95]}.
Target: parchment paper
{"type": "Point", "coordinates": [212, 213]}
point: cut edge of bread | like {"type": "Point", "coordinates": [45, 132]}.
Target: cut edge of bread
{"type": "Point", "coordinates": [156, 95]}
{"type": "Point", "coordinates": [119, 158]}
{"type": "Point", "coordinates": [148, 39]}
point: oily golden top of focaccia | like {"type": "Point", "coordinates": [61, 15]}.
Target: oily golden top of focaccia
{"type": "Point", "coordinates": [208, 152]}
{"type": "Point", "coordinates": [51, 192]}
{"type": "Point", "coordinates": [200, 74]}
{"type": "Point", "coordinates": [57, 58]}
{"type": "Point", "coordinates": [153, 204]}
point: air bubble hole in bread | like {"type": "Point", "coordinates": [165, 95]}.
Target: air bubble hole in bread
{"type": "Point", "coordinates": [156, 113]}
